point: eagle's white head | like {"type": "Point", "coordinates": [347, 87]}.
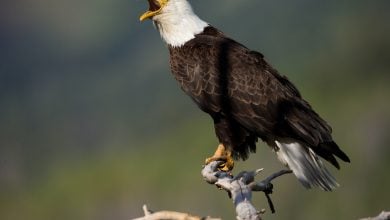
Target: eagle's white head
{"type": "Point", "coordinates": [175, 20]}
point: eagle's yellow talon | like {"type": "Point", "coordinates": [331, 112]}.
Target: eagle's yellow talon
{"type": "Point", "coordinates": [222, 154]}
{"type": "Point", "coordinates": [228, 165]}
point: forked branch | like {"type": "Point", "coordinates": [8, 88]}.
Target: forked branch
{"type": "Point", "coordinates": [240, 188]}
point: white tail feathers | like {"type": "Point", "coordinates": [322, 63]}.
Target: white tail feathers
{"type": "Point", "coordinates": [306, 165]}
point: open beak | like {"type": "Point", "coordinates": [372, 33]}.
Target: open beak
{"type": "Point", "coordinates": [155, 7]}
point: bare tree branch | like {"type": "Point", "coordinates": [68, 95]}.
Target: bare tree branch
{"type": "Point", "coordinates": [240, 188]}
{"type": "Point", "coordinates": [382, 216]}
{"type": "Point", "coordinates": [169, 215]}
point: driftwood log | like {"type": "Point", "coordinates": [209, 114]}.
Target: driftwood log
{"type": "Point", "coordinates": [382, 216]}
{"type": "Point", "coordinates": [169, 215]}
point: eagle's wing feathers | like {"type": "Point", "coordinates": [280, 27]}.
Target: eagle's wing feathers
{"type": "Point", "coordinates": [269, 103]}
{"type": "Point", "coordinates": [227, 80]}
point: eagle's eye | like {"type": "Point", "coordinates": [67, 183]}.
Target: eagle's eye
{"type": "Point", "coordinates": [154, 5]}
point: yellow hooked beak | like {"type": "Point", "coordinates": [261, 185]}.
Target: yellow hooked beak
{"type": "Point", "coordinates": [155, 7]}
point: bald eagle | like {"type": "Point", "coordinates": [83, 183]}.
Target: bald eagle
{"type": "Point", "coordinates": [245, 96]}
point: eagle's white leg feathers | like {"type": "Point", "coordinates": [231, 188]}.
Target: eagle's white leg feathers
{"type": "Point", "coordinates": [305, 164]}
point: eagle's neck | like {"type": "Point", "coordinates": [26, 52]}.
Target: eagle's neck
{"type": "Point", "coordinates": [177, 23]}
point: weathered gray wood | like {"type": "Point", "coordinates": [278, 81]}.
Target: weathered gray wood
{"type": "Point", "coordinates": [169, 215]}
{"type": "Point", "coordinates": [240, 188]}
{"type": "Point", "coordinates": [382, 216]}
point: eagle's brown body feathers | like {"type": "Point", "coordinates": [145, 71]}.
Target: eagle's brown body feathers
{"type": "Point", "coordinates": [246, 97]}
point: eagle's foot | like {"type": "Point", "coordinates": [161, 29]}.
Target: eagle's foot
{"type": "Point", "coordinates": [225, 155]}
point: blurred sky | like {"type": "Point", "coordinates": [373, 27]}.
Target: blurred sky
{"type": "Point", "coordinates": [93, 125]}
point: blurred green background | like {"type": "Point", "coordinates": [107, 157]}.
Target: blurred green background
{"type": "Point", "coordinates": [93, 125]}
